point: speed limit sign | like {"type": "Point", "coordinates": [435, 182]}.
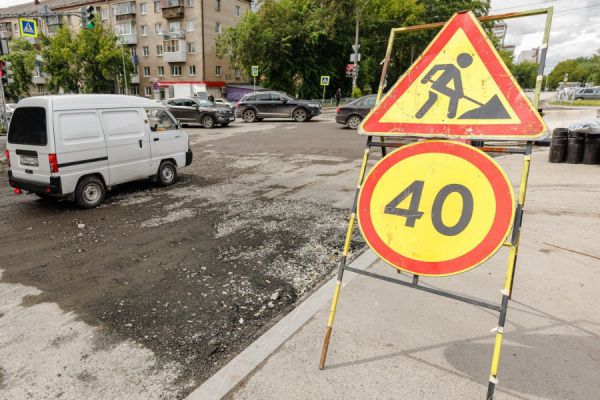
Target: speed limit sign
{"type": "Point", "coordinates": [436, 208]}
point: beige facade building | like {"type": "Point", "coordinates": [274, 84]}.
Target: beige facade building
{"type": "Point", "coordinates": [172, 42]}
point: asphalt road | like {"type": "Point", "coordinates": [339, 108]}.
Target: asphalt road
{"type": "Point", "coordinates": [148, 295]}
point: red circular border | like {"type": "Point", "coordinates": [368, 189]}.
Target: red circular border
{"type": "Point", "coordinates": [488, 246]}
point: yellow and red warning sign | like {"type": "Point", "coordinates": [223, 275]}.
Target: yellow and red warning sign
{"type": "Point", "coordinates": [459, 87]}
{"type": "Point", "coordinates": [436, 208]}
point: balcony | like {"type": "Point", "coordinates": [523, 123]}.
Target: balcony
{"type": "Point", "coordinates": [6, 34]}
{"type": "Point", "coordinates": [126, 32]}
{"type": "Point", "coordinates": [128, 39]}
{"type": "Point", "coordinates": [125, 11]}
{"type": "Point", "coordinates": [54, 20]}
{"type": "Point", "coordinates": [135, 79]}
{"type": "Point", "coordinates": [174, 35]}
{"type": "Point", "coordinates": [174, 56]}
{"type": "Point", "coordinates": [172, 9]}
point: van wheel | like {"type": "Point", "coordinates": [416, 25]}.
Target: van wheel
{"type": "Point", "coordinates": [208, 122]}
{"type": "Point", "coordinates": [90, 192]}
{"type": "Point", "coordinates": [249, 116]}
{"type": "Point", "coordinates": [167, 173]}
{"type": "Point", "coordinates": [300, 115]}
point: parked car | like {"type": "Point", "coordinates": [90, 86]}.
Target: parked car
{"type": "Point", "coordinates": [192, 110]}
{"type": "Point", "coordinates": [590, 93]}
{"type": "Point", "coordinates": [223, 102]}
{"type": "Point", "coordinates": [258, 105]}
{"type": "Point", "coordinates": [79, 146]}
{"type": "Point", "coordinates": [353, 113]}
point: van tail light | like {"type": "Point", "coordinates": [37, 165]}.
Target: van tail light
{"type": "Point", "coordinates": [53, 162]}
{"type": "Point", "coordinates": [337, 110]}
{"type": "Point", "coordinates": [17, 191]}
{"type": "Point", "coordinates": [7, 154]}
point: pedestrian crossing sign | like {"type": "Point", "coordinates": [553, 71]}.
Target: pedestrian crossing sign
{"type": "Point", "coordinates": [325, 80]}
{"type": "Point", "coordinates": [459, 87]}
{"type": "Point", "coordinates": [29, 27]}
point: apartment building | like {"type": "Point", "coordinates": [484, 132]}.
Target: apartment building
{"type": "Point", "coordinates": [171, 42]}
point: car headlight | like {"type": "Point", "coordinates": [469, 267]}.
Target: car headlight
{"type": "Point", "coordinates": [314, 105]}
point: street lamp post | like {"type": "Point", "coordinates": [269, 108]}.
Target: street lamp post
{"type": "Point", "coordinates": [358, 16]}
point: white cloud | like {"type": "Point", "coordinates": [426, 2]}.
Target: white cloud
{"type": "Point", "coordinates": [575, 27]}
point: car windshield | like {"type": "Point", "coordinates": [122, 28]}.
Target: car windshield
{"type": "Point", "coordinates": [204, 103]}
{"type": "Point", "coordinates": [288, 96]}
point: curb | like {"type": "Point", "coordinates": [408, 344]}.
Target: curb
{"type": "Point", "coordinates": [228, 377]}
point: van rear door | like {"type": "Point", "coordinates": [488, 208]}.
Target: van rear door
{"type": "Point", "coordinates": [29, 144]}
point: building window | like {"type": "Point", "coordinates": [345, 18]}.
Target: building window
{"type": "Point", "coordinates": [171, 46]}
{"type": "Point", "coordinates": [126, 28]}
{"type": "Point", "coordinates": [175, 26]}
{"type": "Point", "coordinates": [161, 71]}
{"type": "Point", "coordinates": [134, 90]}
{"type": "Point", "coordinates": [104, 14]}
{"type": "Point", "coordinates": [144, 29]}
{"type": "Point", "coordinates": [157, 7]}
{"type": "Point", "coordinates": [191, 47]}
{"type": "Point", "coordinates": [159, 49]}
{"type": "Point", "coordinates": [217, 5]}
{"type": "Point", "coordinates": [218, 27]}
{"type": "Point", "coordinates": [238, 73]}
{"type": "Point", "coordinates": [158, 28]}
{"type": "Point", "coordinates": [189, 26]}
{"type": "Point", "coordinates": [145, 51]}
{"type": "Point", "coordinates": [133, 51]}
{"type": "Point", "coordinates": [143, 8]}
{"type": "Point", "coordinates": [176, 70]}
{"type": "Point", "coordinates": [218, 70]}
{"type": "Point", "coordinates": [146, 71]}
{"type": "Point", "coordinates": [190, 3]}
{"type": "Point", "coordinates": [192, 70]}
{"type": "Point", "coordinates": [238, 11]}
{"type": "Point", "coordinates": [148, 91]}
{"type": "Point", "coordinates": [16, 28]}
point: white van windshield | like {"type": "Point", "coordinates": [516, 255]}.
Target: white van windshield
{"type": "Point", "coordinates": [28, 126]}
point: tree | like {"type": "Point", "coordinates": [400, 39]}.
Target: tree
{"type": "Point", "coordinates": [296, 41]}
{"type": "Point", "coordinates": [90, 61]}
{"type": "Point", "coordinates": [22, 56]}
{"type": "Point", "coordinates": [60, 62]}
{"type": "Point", "coordinates": [582, 69]}
{"type": "Point", "coordinates": [525, 73]}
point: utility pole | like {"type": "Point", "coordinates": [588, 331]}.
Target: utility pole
{"type": "Point", "coordinates": [124, 73]}
{"type": "Point", "coordinates": [356, 33]}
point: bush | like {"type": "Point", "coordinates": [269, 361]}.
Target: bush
{"type": "Point", "coordinates": [356, 93]}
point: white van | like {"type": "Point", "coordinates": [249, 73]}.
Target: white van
{"type": "Point", "coordinates": [80, 145]}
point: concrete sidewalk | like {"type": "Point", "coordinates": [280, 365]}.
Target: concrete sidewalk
{"type": "Point", "coordinates": [392, 342]}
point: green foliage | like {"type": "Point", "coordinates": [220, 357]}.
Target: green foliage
{"type": "Point", "coordinates": [296, 41]}
{"type": "Point", "coordinates": [89, 61]}
{"type": "Point", "coordinates": [583, 70]}
{"type": "Point", "coordinates": [525, 74]}
{"type": "Point", "coordinates": [356, 93]}
{"type": "Point", "coordinates": [22, 56]}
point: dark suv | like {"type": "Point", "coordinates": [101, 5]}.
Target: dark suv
{"type": "Point", "coordinates": [191, 110]}
{"type": "Point", "coordinates": [256, 106]}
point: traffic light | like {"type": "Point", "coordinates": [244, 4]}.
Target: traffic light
{"type": "Point", "coordinates": [5, 72]}
{"type": "Point", "coordinates": [89, 17]}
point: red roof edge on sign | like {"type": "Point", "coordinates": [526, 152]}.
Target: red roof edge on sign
{"type": "Point", "coordinates": [530, 127]}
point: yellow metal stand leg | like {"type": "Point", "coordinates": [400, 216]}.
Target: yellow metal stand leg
{"type": "Point", "coordinates": [510, 273]}
{"type": "Point", "coordinates": [338, 285]}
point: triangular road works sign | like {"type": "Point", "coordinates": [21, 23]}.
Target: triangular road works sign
{"type": "Point", "coordinates": [459, 87]}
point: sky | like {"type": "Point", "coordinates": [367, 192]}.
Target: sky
{"type": "Point", "coordinates": [575, 27]}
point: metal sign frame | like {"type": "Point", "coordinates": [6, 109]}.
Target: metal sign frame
{"type": "Point", "coordinates": [512, 243]}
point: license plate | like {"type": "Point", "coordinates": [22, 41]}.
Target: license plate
{"type": "Point", "coordinates": [32, 161]}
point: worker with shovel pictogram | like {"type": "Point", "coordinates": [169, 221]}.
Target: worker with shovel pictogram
{"type": "Point", "coordinates": [449, 83]}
